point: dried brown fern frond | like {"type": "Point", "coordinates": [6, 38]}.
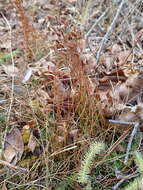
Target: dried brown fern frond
{"type": "Point", "coordinates": [30, 35]}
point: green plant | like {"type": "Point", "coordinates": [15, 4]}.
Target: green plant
{"type": "Point", "coordinates": [138, 182]}
{"type": "Point", "coordinates": [95, 148]}
{"type": "Point", "coordinates": [65, 184]}
{"type": "Point", "coordinates": [7, 56]}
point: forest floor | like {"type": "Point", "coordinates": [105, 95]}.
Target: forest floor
{"type": "Point", "coordinates": [71, 75]}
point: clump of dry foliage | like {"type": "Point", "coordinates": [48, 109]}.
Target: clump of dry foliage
{"type": "Point", "coordinates": [70, 74]}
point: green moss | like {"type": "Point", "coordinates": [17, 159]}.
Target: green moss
{"type": "Point", "coordinates": [7, 56]}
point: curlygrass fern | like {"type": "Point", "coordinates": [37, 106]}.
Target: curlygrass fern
{"type": "Point", "coordinates": [95, 148]}
{"type": "Point", "coordinates": [88, 186]}
{"type": "Point", "coordinates": [138, 182]}
{"type": "Point", "coordinates": [139, 161]}
{"type": "Point", "coordinates": [135, 185]}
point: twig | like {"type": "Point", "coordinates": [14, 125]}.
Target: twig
{"type": "Point", "coordinates": [12, 83]}
{"type": "Point", "coordinates": [4, 163]}
{"type": "Point", "coordinates": [111, 27]}
{"type": "Point", "coordinates": [120, 139]}
{"type": "Point", "coordinates": [133, 7]}
{"type": "Point", "coordinates": [96, 23]}
{"type": "Point", "coordinates": [65, 150]}
{"type": "Point", "coordinates": [116, 187]}
{"type": "Point", "coordinates": [136, 126]}
{"type": "Point", "coordinates": [121, 122]}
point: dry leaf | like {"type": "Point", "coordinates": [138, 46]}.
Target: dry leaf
{"type": "Point", "coordinates": [91, 87]}
{"type": "Point", "coordinates": [4, 187]}
{"type": "Point", "coordinates": [120, 148]}
{"type": "Point", "coordinates": [124, 91]}
{"type": "Point", "coordinates": [11, 70]}
{"type": "Point", "coordinates": [116, 49]}
{"type": "Point", "coordinates": [43, 66]}
{"type": "Point", "coordinates": [32, 124]}
{"type": "Point", "coordinates": [28, 75]}
{"type": "Point", "coordinates": [61, 139]}
{"type": "Point", "coordinates": [124, 56]}
{"type": "Point", "coordinates": [128, 115]}
{"type": "Point", "coordinates": [132, 88]}
{"type": "Point", "coordinates": [73, 134]}
{"type": "Point", "coordinates": [138, 110]}
{"type": "Point", "coordinates": [13, 146]}
{"type": "Point", "coordinates": [32, 142]}
{"type": "Point", "coordinates": [9, 154]}
{"type": "Point", "coordinates": [60, 93]}
{"type": "Point", "coordinates": [108, 62]}
{"type": "Point", "coordinates": [71, 1]}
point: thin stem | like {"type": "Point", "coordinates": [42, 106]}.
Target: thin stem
{"type": "Point", "coordinates": [96, 23]}
{"type": "Point", "coordinates": [111, 27]}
